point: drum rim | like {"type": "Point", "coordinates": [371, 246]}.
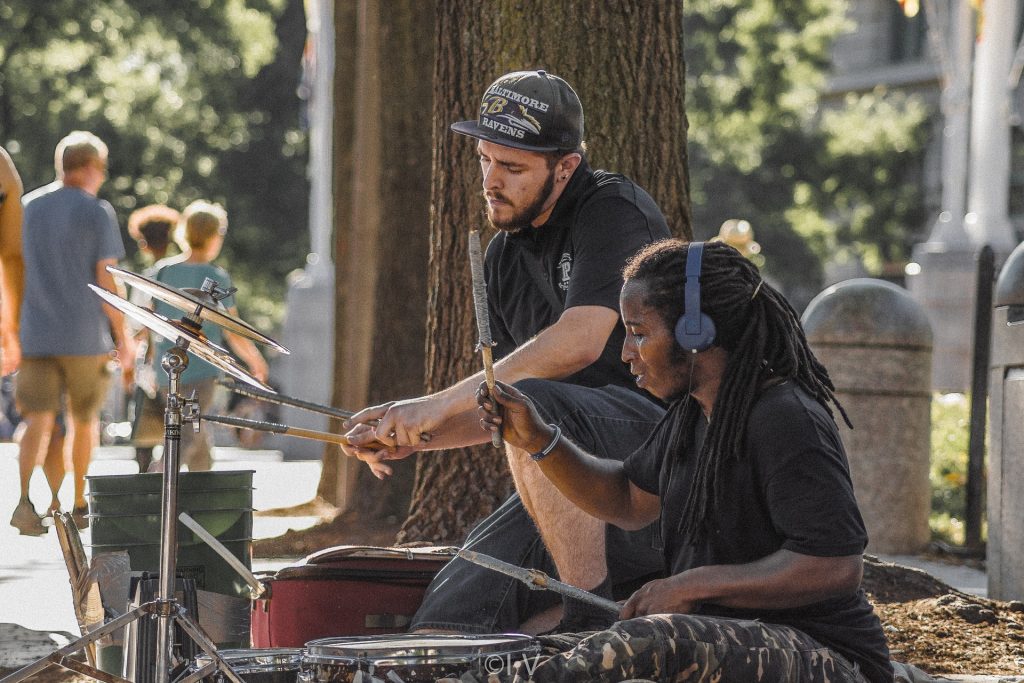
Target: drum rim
{"type": "Point", "coordinates": [345, 649]}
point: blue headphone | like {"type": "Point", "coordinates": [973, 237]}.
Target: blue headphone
{"type": "Point", "coordinates": [694, 330]}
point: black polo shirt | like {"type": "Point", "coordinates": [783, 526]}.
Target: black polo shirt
{"type": "Point", "coordinates": [574, 259]}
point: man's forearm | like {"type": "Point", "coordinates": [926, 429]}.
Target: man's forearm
{"type": "Point", "coordinates": [460, 431]}
{"type": "Point", "coordinates": [598, 486]}
{"type": "Point", "coordinates": [11, 292]}
{"type": "Point", "coordinates": [568, 346]}
{"type": "Point", "coordinates": [117, 322]}
{"type": "Point", "coordinates": [784, 579]}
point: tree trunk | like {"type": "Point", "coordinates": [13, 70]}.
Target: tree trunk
{"type": "Point", "coordinates": [624, 58]}
{"type": "Point", "coordinates": [382, 191]}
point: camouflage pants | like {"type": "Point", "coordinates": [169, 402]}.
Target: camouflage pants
{"type": "Point", "coordinates": [680, 647]}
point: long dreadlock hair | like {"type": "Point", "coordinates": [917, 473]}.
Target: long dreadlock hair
{"type": "Point", "coordinates": [761, 332]}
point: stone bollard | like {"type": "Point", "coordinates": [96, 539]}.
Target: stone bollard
{"type": "Point", "coordinates": [876, 342]}
{"type": "Point", "coordinates": [1005, 554]}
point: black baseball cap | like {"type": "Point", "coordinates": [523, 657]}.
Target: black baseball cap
{"type": "Point", "coordinates": [530, 110]}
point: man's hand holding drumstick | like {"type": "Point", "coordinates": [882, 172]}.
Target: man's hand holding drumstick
{"type": "Point", "coordinates": [398, 429]}
{"type": "Point", "coordinates": [483, 320]}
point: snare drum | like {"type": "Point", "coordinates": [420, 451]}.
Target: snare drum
{"type": "Point", "coordinates": [274, 665]}
{"type": "Point", "coordinates": [414, 658]}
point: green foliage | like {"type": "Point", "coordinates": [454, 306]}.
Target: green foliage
{"type": "Point", "coordinates": [948, 474]}
{"type": "Point", "coordinates": [196, 99]}
{"type": "Point", "coordinates": [813, 181]}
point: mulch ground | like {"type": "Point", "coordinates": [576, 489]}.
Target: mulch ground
{"type": "Point", "coordinates": [942, 630]}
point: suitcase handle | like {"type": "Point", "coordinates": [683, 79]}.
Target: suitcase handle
{"type": "Point", "coordinates": [410, 553]}
{"type": "Point", "coordinates": [392, 576]}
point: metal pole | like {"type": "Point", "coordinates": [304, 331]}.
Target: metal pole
{"type": "Point", "coordinates": [979, 398]}
{"type": "Point", "coordinates": [988, 220]}
{"type": "Point", "coordinates": [174, 363]}
{"type": "Point", "coordinates": [956, 90]}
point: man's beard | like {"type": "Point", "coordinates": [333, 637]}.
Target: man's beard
{"type": "Point", "coordinates": [524, 219]}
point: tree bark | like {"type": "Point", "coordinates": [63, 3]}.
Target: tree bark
{"type": "Point", "coordinates": [624, 58]}
{"type": "Point", "coordinates": [382, 190]}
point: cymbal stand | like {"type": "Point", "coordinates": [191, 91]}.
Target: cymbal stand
{"type": "Point", "coordinates": [165, 608]}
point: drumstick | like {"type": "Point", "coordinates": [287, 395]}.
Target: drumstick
{"type": "Point", "coordinates": [298, 432]}
{"type": "Point", "coordinates": [276, 428]}
{"type": "Point", "coordinates": [258, 589]}
{"type": "Point", "coordinates": [281, 399]}
{"type": "Point", "coordinates": [483, 320]}
{"type": "Point", "coordinates": [284, 400]}
{"type": "Point", "coordinates": [535, 579]}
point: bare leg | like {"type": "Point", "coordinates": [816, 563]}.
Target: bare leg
{"type": "Point", "coordinates": [543, 622]}
{"type": "Point", "coordinates": [84, 436]}
{"type": "Point", "coordinates": [575, 540]}
{"type": "Point", "coordinates": [53, 465]}
{"type": "Point", "coordinates": [38, 427]}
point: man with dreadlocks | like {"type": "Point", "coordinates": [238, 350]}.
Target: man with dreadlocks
{"type": "Point", "coordinates": [746, 475]}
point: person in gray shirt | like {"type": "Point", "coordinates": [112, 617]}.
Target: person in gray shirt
{"type": "Point", "coordinates": [69, 237]}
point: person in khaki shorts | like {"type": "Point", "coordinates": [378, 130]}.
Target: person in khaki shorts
{"type": "Point", "coordinates": [68, 335]}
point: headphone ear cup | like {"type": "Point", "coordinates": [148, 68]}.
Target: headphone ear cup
{"type": "Point", "coordinates": [701, 340]}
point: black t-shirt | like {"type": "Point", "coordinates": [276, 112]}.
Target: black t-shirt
{"type": "Point", "coordinates": [791, 490]}
{"type": "Point", "coordinates": [574, 259]}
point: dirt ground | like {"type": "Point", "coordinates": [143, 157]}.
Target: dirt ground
{"type": "Point", "coordinates": [928, 623]}
{"type": "Point", "coordinates": [941, 630]}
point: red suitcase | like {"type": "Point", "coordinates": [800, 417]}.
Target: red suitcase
{"type": "Point", "coordinates": [345, 591]}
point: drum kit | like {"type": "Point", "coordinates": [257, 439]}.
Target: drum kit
{"type": "Point", "coordinates": [358, 659]}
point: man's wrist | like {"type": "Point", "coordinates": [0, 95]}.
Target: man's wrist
{"type": "Point", "coordinates": [549, 445]}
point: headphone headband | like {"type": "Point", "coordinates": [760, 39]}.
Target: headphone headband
{"type": "Point", "coordinates": [694, 330]}
{"type": "Point", "coordinates": [691, 288]}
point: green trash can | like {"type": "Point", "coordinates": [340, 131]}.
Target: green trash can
{"type": "Point", "coordinates": [124, 513]}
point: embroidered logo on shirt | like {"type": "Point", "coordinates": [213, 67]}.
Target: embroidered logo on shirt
{"type": "Point", "coordinates": [565, 266]}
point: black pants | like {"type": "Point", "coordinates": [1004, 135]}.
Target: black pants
{"type": "Point", "coordinates": [609, 422]}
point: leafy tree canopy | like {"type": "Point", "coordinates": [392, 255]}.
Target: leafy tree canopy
{"type": "Point", "coordinates": [195, 99]}
{"type": "Point", "coordinates": [814, 181]}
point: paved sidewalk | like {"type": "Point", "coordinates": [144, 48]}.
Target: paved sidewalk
{"type": "Point", "coordinates": [34, 588]}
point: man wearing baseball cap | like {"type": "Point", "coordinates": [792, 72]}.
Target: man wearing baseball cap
{"type": "Point", "coordinates": [553, 276]}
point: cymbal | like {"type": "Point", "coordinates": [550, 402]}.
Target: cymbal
{"type": "Point", "coordinates": [172, 331]}
{"type": "Point", "coordinates": [200, 304]}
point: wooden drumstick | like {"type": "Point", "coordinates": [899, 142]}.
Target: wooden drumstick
{"type": "Point", "coordinates": [276, 428]}
{"type": "Point", "coordinates": [298, 432]}
{"type": "Point", "coordinates": [483, 320]}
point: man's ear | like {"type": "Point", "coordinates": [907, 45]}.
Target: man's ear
{"type": "Point", "coordinates": [567, 165]}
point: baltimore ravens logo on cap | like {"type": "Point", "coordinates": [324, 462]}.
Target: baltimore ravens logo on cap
{"type": "Point", "coordinates": [530, 110]}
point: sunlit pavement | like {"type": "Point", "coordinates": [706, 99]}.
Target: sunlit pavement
{"type": "Point", "coordinates": [34, 588]}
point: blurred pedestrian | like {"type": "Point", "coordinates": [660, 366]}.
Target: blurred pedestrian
{"type": "Point", "coordinates": [69, 237]}
{"type": "Point", "coordinates": [151, 227]}
{"type": "Point", "coordinates": [200, 235]}
{"type": "Point", "coordinates": [12, 279]}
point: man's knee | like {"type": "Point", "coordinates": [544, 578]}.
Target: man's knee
{"type": "Point", "coordinates": [519, 461]}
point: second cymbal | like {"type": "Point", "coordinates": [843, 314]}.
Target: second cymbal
{"type": "Point", "coordinates": [172, 330]}
{"type": "Point", "coordinates": [205, 308]}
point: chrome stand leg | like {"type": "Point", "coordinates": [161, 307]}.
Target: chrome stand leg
{"type": "Point", "coordinates": [174, 363]}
